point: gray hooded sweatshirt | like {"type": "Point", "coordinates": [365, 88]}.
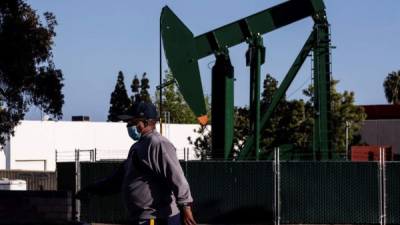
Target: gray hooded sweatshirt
{"type": "Point", "coordinates": [153, 182]}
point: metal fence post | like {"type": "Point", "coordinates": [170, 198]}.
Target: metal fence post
{"type": "Point", "coordinates": [347, 140]}
{"type": "Point", "coordinates": [382, 186]}
{"type": "Point", "coordinates": [186, 161]}
{"type": "Point", "coordinates": [95, 154]}
{"type": "Point", "coordinates": [77, 184]}
{"type": "Point", "coordinates": [277, 190]}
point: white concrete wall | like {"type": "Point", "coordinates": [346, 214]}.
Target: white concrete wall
{"type": "Point", "coordinates": [34, 145]}
{"type": "Point", "coordinates": [178, 134]}
{"type": "Point", "coordinates": [3, 151]}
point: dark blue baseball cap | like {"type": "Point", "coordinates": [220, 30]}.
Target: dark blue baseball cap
{"type": "Point", "coordinates": [140, 110]}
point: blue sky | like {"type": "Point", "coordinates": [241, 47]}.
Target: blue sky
{"type": "Point", "coordinates": [97, 38]}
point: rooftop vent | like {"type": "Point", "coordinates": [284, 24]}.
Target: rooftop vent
{"type": "Point", "coordinates": [80, 118]}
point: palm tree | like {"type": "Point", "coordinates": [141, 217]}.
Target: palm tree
{"type": "Point", "coordinates": [392, 87]}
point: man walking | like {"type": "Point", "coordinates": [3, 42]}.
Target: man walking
{"type": "Point", "coordinates": [154, 188]}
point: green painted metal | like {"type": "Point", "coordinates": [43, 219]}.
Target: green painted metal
{"type": "Point", "coordinates": [322, 73]}
{"type": "Point", "coordinates": [222, 107]}
{"type": "Point", "coordinates": [298, 62]}
{"type": "Point", "coordinates": [259, 23]}
{"type": "Point", "coordinates": [321, 130]}
{"type": "Point", "coordinates": [183, 50]}
{"type": "Point", "coordinates": [180, 50]}
{"type": "Point", "coordinates": [255, 57]}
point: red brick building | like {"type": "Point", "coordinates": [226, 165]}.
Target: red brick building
{"type": "Point", "coordinates": [370, 153]}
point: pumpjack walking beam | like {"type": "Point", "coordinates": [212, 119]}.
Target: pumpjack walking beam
{"type": "Point", "coordinates": [182, 51]}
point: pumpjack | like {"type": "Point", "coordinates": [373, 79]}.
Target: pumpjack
{"type": "Point", "coordinates": [183, 50]}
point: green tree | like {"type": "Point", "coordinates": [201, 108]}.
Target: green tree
{"type": "Point", "coordinates": [27, 73]}
{"type": "Point", "coordinates": [344, 110]}
{"type": "Point", "coordinates": [391, 86]}
{"type": "Point", "coordinates": [140, 89]}
{"type": "Point", "coordinates": [202, 144]}
{"type": "Point", "coordinates": [174, 104]}
{"type": "Point", "coordinates": [135, 87]}
{"type": "Point", "coordinates": [144, 88]}
{"type": "Point", "coordinates": [119, 102]}
{"type": "Point", "coordinates": [270, 135]}
{"type": "Point", "coordinates": [287, 124]}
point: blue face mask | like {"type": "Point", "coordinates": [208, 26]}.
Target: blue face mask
{"type": "Point", "coordinates": [134, 133]}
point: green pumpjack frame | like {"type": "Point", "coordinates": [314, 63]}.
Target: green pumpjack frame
{"type": "Point", "coordinates": [183, 50]}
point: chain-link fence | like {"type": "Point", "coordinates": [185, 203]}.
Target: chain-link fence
{"type": "Point", "coordinates": [35, 180]}
{"type": "Point", "coordinates": [254, 192]}
{"type": "Point", "coordinates": [94, 155]}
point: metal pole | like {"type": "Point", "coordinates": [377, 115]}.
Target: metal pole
{"type": "Point", "coordinates": [382, 186]}
{"type": "Point", "coordinates": [277, 190]}
{"type": "Point", "coordinates": [168, 123]}
{"type": "Point", "coordinates": [160, 68]}
{"type": "Point", "coordinates": [347, 139]}
{"type": "Point", "coordinates": [255, 57]}
{"type": "Point", "coordinates": [186, 167]}
{"type": "Point", "coordinates": [77, 184]}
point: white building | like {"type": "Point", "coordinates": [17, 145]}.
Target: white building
{"type": "Point", "coordinates": [37, 145]}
